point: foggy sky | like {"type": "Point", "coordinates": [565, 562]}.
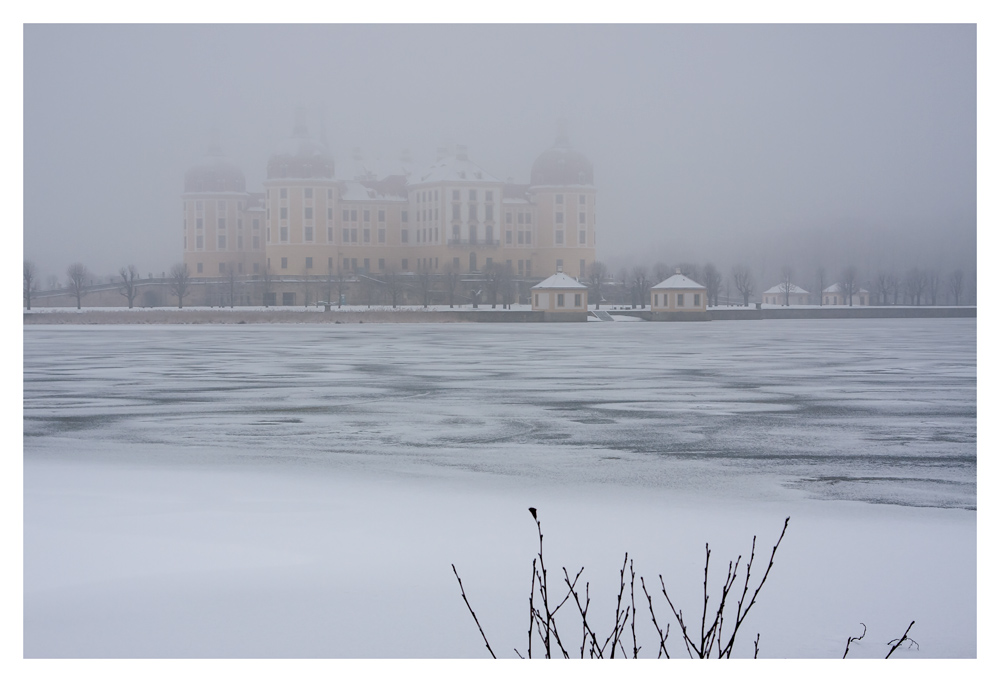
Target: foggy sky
{"type": "Point", "coordinates": [771, 145]}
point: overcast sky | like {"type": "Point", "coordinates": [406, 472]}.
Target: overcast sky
{"type": "Point", "coordinates": [787, 144]}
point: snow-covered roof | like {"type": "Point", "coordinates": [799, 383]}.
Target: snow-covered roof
{"type": "Point", "coordinates": [453, 169]}
{"type": "Point", "coordinates": [780, 289]}
{"type": "Point", "coordinates": [356, 191]}
{"type": "Point", "coordinates": [560, 280]}
{"type": "Point", "coordinates": [678, 281]}
{"type": "Point", "coordinates": [835, 289]}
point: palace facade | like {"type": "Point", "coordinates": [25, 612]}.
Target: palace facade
{"type": "Point", "coordinates": [452, 216]}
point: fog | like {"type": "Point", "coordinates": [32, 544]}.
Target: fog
{"type": "Point", "coordinates": [818, 145]}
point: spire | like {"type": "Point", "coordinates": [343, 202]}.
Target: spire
{"type": "Point", "coordinates": [214, 141]}
{"type": "Point", "coordinates": [562, 134]}
{"type": "Point", "coordinates": [300, 130]}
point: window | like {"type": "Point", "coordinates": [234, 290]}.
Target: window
{"type": "Point", "coordinates": [346, 215]}
{"type": "Point", "coordinates": [560, 300]}
{"type": "Point", "coordinates": [510, 217]}
{"type": "Point", "coordinates": [697, 300]}
{"type": "Point", "coordinates": [347, 235]}
{"type": "Point", "coordinates": [472, 195]}
{"type": "Point", "coordinates": [284, 263]}
{"type": "Point", "coordinates": [354, 216]}
{"type": "Point", "coordinates": [583, 236]}
{"type": "Point", "coordinates": [456, 212]}
{"type": "Point", "coordinates": [406, 264]}
{"type": "Point", "coordinates": [520, 219]}
{"type": "Point", "coordinates": [489, 195]}
{"type": "Point", "coordinates": [284, 213]}
{"type": "Point", "coordinates": [656, 300]}
{"type": "Point", "coordinates": [559, 236]}
{"type": "Point", "coordinates": [381, 216]}
{"type": "Point", "coordinates": [510, 237]}
{"type": "Point", "coordinates": [489, 234]}
{"type": "Point", "coordinates": [559, 265]}
{"type": "Point", "coordinates": [577, 300]}
{"type": "Point", "coordinates": [404, 236]}
{"type": "Point", "coordinates": [354, 235]}
{"type": "Point", "coordinates": [222, 241]}
{"type": "Point", "coordinates": [583, 218]}
{"type": "Point", "coordinates": [308, 233]}
{"type": "Point", "coordinates": [381, 263]}
{"type": "Point", "coordinates": [381, 235]}
{"type": "Point", "coordinates": [583, 199]}
{"type": "Point", "coordinates": [473, 237]}
{"type": "Point", "coordinates": [288, 298]}
{"type": "Point", "coordinates": [367, 236]}
{"type": "Point", "coordinates": [199, 242]}
{"type": "Point", "coordinates": [367, 265]}
{"type": "Point", "coordinates": [284, 193]}
{"type": "Point", "coordinates": [309, 212]}
{"type": "Point", "coordinates": [199, 224]}
{"type": "Point", "coordinates": [527, 237]}
{"type": "Point", "coordinates": [456, 232]}
{"type": "Point", "coordinates": [559, 217]}
{"type": "Point", "coordinates": [559, 198]}
{"type": "Point", "coordinates": [329, 214]}
{"type": "Point", "coordinates": [222, 223]}
{"type": "Point", "coordinates": [489, 211]}
{"type": "Point", "coordinates": [527, 268]}
{"type": "Point", "coordinates": [284, 234]}
{"type": "Point", "coordinates": [472, 212]}
{"type": "Point", "coordinates": [680, 300]}
{"type": "Point", "coordinates": [405, 216]}
{"type": "Point", "coordinates": [520, 267]}
{"type": "Point", "coordinates": [309, 192]}
{"type": "Point", "coordinates": [199, 268]}
{"type": "Point", "coordinates": [367, 215]}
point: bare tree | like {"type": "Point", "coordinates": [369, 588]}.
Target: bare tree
{"type": "Point", "coordinates": [744, 283]}
{"type": "Point", "coordinates": [77, 274]}
{"type": "Point", "coordinates": [954, 285]}
{"type": "Point", "coordinates": [596, 273]}
{"type": "Point", "coordinates": [452, 275]}
{"type": "Point", "coordinates": [933, 279]}
{"type": "Point", "coordinates": [849, 285]}
{"type": "Point", "coordinates": [30, 281]}
{"type": "Point", "coordinates": [342, 286]}
{"type": "Point", "coordinates": [508, 286]}
{"type": "Point", "coordinates": [661, 271]}
{"type": "Point", "coordinates": [640, 286]}
{"type": "Point", "coordinates": [267, 283]}
{"type": "Point", "coordinates": [130, 281]}
{"type": "Point", "coordinates": [821, 283]}
{"type": "Point", "coordinates": [713, 283]}
{"type": "Point", "coordinates": [491, 275]}
{"type": "Point", "coordinates": [425, 279]}
{"type": "Point", "coordinates": [914, 285]}
{"type": "Point", "coordinates": [179, 281]}
{"type": "Point", "coordinates": [786, 287]}
{"type": "Point", "coordinates": [883, 285]}
{"type": "Point", "coordinates": [231, 280]}
{"type": "Point", "coordinates": [393, 285]}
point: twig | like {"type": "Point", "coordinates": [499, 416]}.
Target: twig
{"type": "Point", "coordinates": [855, 639]}
{"type": "Point", "coordinates": [901, 640]}
{"type": "Point", "coordinates": [756, 646]}
{"type": "Point", "coordinates": [635, 645]}
{"type": "Point", "coordinates": [488, 648]}
{"type": "Point", "coordinates": [661, 633]}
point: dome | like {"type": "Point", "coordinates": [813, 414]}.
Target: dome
{"type": "Point", "coordinates": [214, 173]}
{"type": "Point", "coordinates": [300, 156]}
{"type": "Point", "coordinates": [562, 165]}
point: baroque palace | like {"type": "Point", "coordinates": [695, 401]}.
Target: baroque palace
{"type": "Point", "coordinates": [453, 216]}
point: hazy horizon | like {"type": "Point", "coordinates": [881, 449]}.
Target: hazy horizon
{"type": "Point", "coordinates": [771, 145]}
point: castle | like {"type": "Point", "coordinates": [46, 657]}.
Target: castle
{"type": "Point", "coordinates": [451, 217]}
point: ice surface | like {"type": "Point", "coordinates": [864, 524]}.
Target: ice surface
{"type": "Point", "coordinates": [302, 490]}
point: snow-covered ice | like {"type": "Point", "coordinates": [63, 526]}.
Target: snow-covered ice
{"type": "Point", "coordinates": [303, 490]}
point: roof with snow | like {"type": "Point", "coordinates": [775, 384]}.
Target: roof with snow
{"type": "Point", "coordinates": [453, 169]}
{"type": "Point", "coordinates": [678, 281]}
{"type": "Point", "coordinates": [780, 289]}
{"type": "Point", "coordinates": [356, 191]}
{"type": "Point", "coordinates": [835, 289]}
{"type": "Point", "coordinates": [560, 280]}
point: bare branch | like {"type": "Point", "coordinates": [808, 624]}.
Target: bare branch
{"type": "Point", "coordinates": [855, 639]}
{"type": "Point", "coordinates": [488, 648]}
{"type": "Point", "coordinates": [901, 640]}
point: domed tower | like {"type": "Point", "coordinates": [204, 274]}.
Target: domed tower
{"type": "Point", "coordinates": [301, 198]}
{"type": "Point", "coordinates": [564, 197]}
{"type": "Point", "coordinates": [215, 201]}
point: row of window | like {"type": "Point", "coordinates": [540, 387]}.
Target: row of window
{"type": "Point", "coordinates": [583, 199]}
{"type": "Point", "coordinates": [220, 205]}
{"type": "Point", "coordinates": [561, 300]}
{"type": "Point", "coordinates": [680, 300]}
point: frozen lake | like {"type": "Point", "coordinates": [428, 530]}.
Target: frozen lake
{"type": "Point", "coordinates": [295, 490]}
